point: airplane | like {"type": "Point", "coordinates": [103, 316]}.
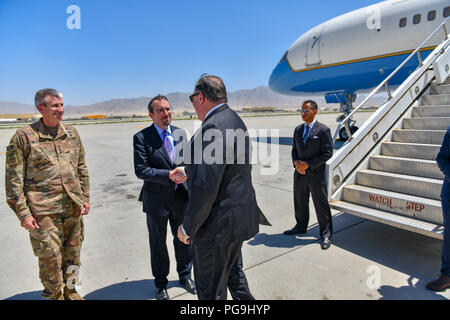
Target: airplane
{"type": "Point", "coordinates": [356, 51]}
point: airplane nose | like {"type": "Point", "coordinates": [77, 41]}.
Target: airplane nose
{"type": "Point", "coordinates": [273, 80]}
{"type": "Point", "coordinates": [278, 78]}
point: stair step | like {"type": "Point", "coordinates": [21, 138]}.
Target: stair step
{"type": "Point", "coordinates": [431, 111]}
{"type": "Point", "coordinates": [441, 99]}
{"type": "Point", "coordinates": [401, 183]}
{"type": "Point", "coordinates": [395, 220]}
{"type": "Point", "coordinates": [410, 150]}
{"type": "Point", "coordinates": [440, 89]}
{"type": "Point", "coordinates": [418, 136]}
{"type": "Point", "coordinates": [428, 210]}
{"type": "Point", "coordinates": [428, 123]}
{"type": "Point", "coordinates": [408, 166]}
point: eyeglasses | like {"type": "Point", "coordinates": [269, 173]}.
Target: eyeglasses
{"type": "Point", "coordinates": [191, 97]}
{"type": "Point", "coordinates": [306, 111]}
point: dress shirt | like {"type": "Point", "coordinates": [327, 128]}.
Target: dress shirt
{"type": "Point", "coordinates": [311, 125]}
{"type": "Point", "coordinates": [169, 136]}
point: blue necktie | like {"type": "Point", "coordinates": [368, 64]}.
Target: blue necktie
{"type": "Point", "coordinates": [305, 133]}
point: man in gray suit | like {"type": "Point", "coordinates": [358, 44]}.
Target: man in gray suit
{"type": "Point", "coordinates": [222, 211]}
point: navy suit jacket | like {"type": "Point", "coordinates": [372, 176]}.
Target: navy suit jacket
{"type": "Point", "coordinates": [443, 161]}
{"type": "Point", "coordinates": [152, 164]}
{"type": "Point", "coordinates": [222, 204]}
{"type": "Point", "coordinates": [317, 149]}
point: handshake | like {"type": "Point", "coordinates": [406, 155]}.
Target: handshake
{"type": "Point", "coordinates": [301, 166]}
{"type": "Point", "coordinates": [177, 175]}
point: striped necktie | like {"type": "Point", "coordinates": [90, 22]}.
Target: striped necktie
{"type": "Point", "coordinates": [168, 145]}
{"type": "Point", "coordinates": [169, 148]}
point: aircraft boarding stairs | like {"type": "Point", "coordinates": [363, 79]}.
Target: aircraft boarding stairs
{"type": "Point", "coordinates": [387, 171]}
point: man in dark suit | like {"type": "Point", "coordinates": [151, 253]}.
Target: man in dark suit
{"type": "Point", "coordinates": [311, 148]}
{"type": "Point", "coordinates": [222, 211]}
{"type": "Point", "coordinates": [443, 161]}
{"type": "Point", "coordinates": [164, 193]}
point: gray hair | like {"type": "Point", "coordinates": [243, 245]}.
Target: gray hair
{"type": "Point", "coordinates": [39, 98]}
{"type": "Point", "coordinates": [212, 88]}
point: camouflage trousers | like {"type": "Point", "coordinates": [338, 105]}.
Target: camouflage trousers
{"type": "Point", "coordinates": [57, 244]}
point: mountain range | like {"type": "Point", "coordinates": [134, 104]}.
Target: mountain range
{"type": "Point", "coordinates": [258, 97]}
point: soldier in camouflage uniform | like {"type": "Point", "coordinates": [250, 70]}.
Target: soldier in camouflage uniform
{"type": "Point", "coordinates": [47, 186]}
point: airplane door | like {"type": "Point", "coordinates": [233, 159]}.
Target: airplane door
{"type": "Point", "coordinates": [313, 50]}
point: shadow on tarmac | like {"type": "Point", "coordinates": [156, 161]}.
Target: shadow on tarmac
{"type": "Point", "coordinates": [128, 290]}
{"type": "Point", "coordinates": [412, 254]}
{"type": "Point", "coordinates": [281, 240]}
{"type": "Point", "coordinates": [32, 295]}
{"type": "Point", "coordinates": [415, 255]}
{"type": "Point", "coordinates": [410, 292]}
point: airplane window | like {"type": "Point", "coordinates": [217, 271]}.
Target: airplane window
{"type": "Point", "coordinates": [432, 15]}
{"type": "Point", "coordinates": [402, 22]}
{"type": "Point", "coordinates": [416, 19]}
{"type": "Point", "coordinates": [446, 12]}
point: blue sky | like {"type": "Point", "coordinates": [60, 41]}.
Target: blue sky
{"type": "Point", "coordinates": [135, 48]}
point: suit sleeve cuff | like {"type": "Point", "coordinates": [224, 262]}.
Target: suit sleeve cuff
{"type": "Point", "coordinates": [182, 228]}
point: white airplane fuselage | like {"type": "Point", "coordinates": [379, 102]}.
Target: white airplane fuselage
{"type": "Point", "coordinates": [354, 52]}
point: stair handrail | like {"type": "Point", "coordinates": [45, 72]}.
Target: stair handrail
{"type": "Point", "coordinates": [385, 81]}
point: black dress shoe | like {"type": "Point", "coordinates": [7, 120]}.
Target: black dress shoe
{"type": "Point", "coordinates": [440, 284]}
{"type": "Point", "coordinates": [161, 294]}
{"type": "Point", "coordinates": [294, 230]}
{"type": "Point", "coordinates": [189, 285]}
{"type": "Point", "coordinates": [326, 243]}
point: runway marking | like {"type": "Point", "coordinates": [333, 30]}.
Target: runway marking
{"type": "Point", "coordinates": [278, 188]}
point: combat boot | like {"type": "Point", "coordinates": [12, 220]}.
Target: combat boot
{"type": "Point", "coordinates": [71, 294]}
{"type": "Point", "coordinates": [49, 296]}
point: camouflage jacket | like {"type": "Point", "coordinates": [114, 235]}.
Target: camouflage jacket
{"type": "Point", "coordinates": [41, 170]}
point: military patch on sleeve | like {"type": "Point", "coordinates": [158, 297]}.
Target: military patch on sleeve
{"type": "Point", "coordinates": [11, 157]}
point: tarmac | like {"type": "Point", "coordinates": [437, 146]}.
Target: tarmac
{"type": "Point", "coordinates": [367, 260]}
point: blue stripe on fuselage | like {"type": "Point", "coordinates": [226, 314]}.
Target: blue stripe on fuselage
{"type": "Point", "coordinates": [349, 77]}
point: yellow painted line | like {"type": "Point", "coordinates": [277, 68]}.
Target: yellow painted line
{"type": "Point", "coordinates": [359, 60]}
